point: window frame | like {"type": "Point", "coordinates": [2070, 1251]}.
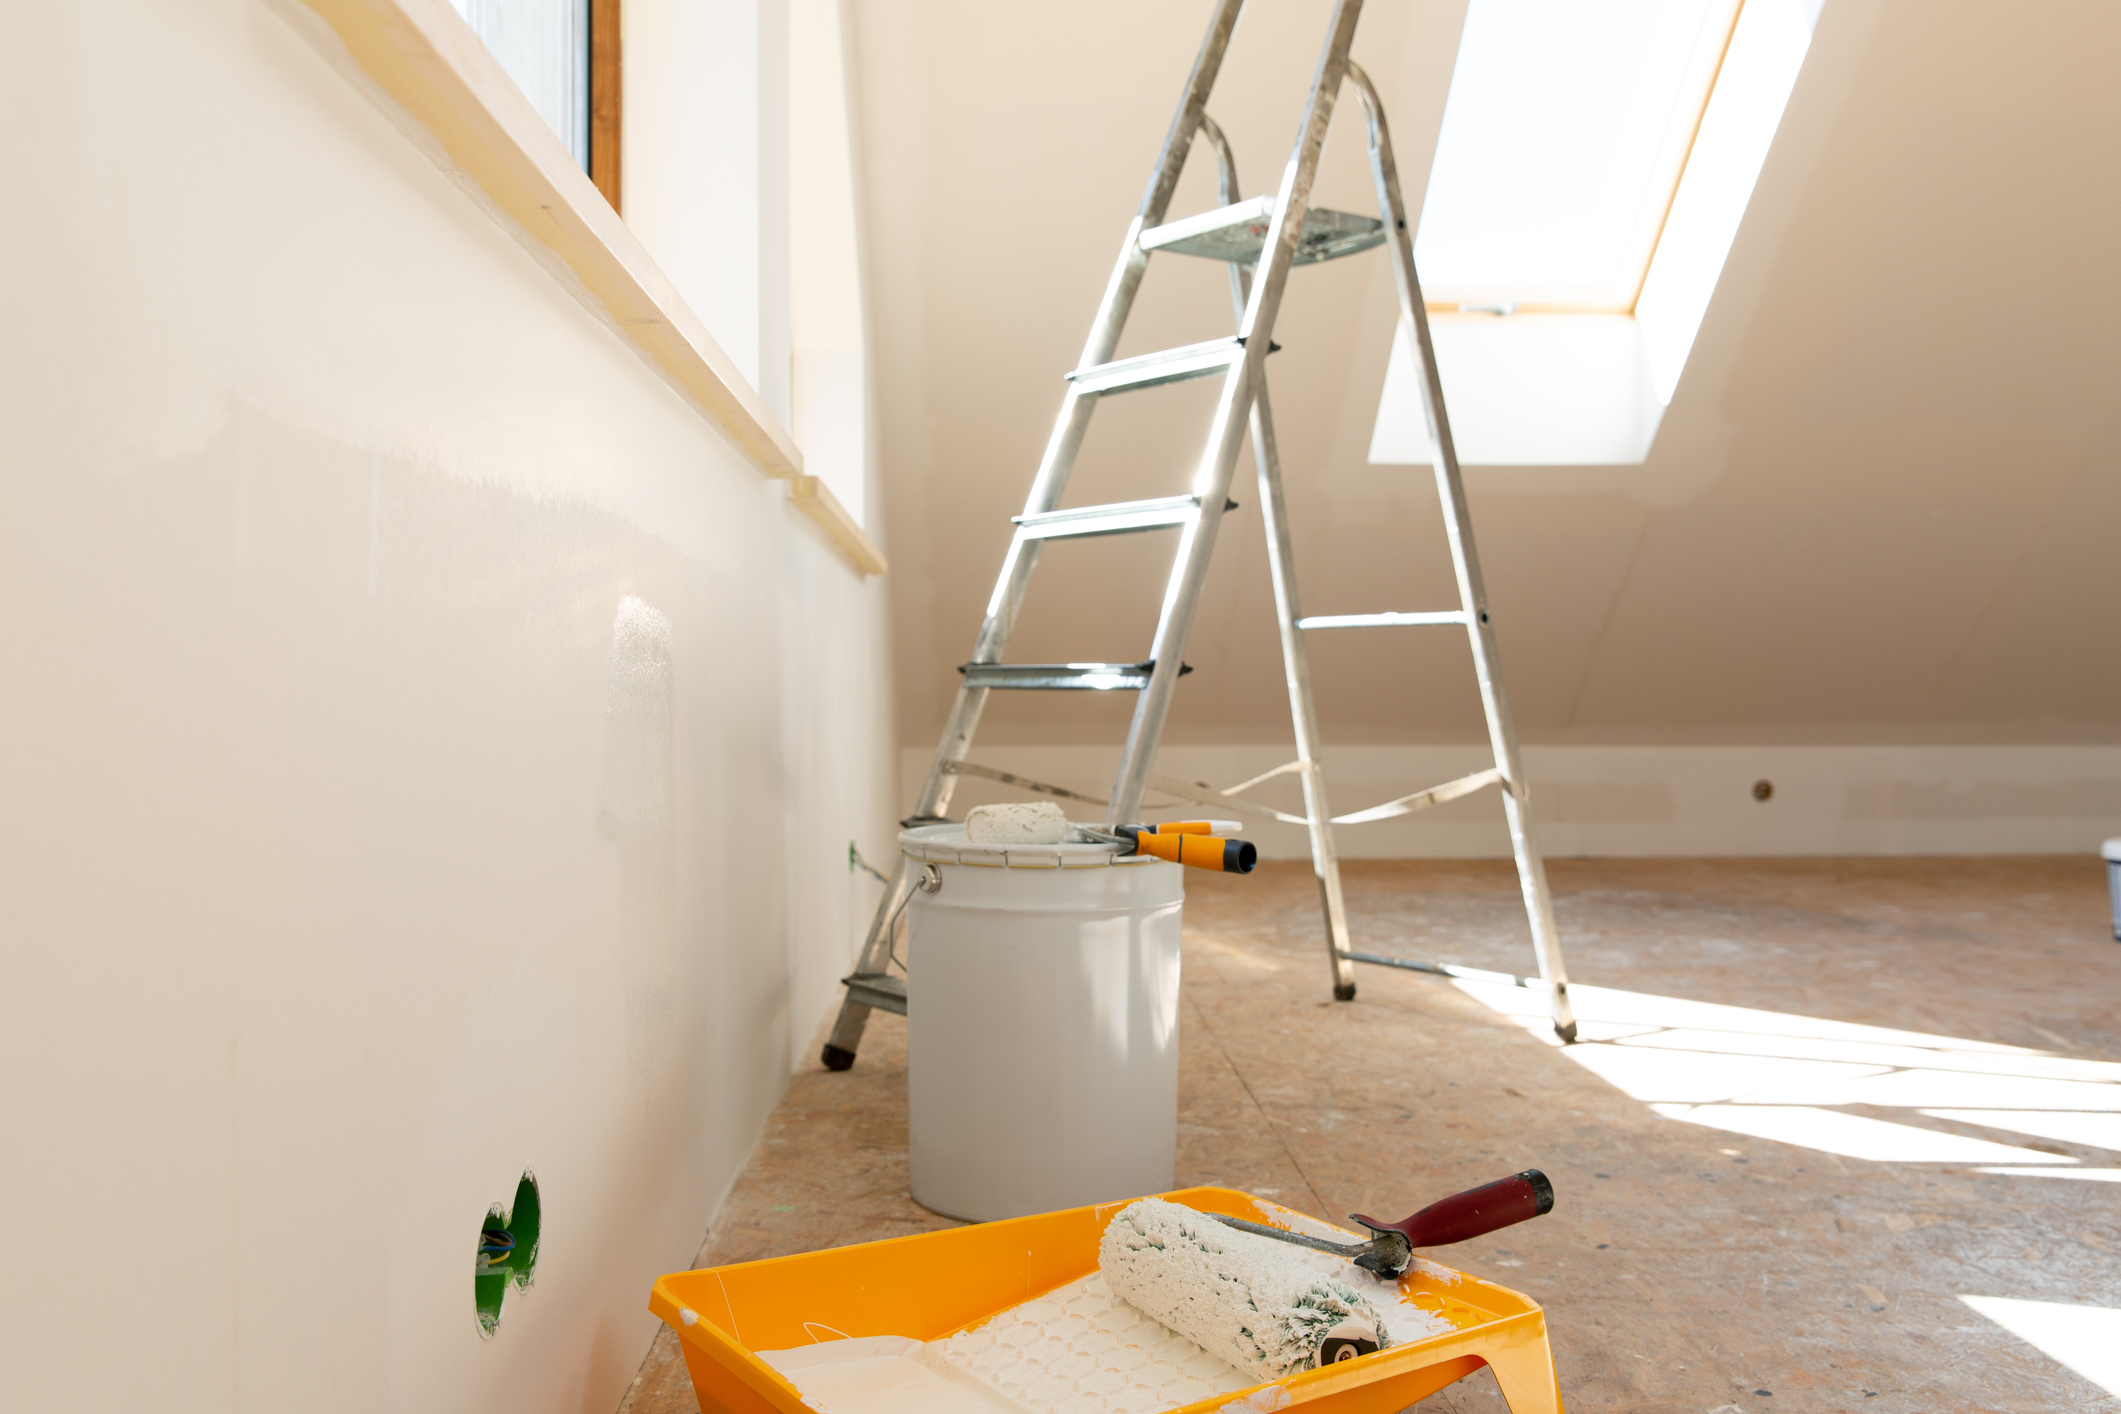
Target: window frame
{"type": "Point", "coordinates": [607, 91]}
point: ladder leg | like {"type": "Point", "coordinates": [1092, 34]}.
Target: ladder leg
{"type": "Point", "coordinates": [1502, 736]}
{"type": "Point", "coordinates": [1296, 665]}
{"type": "Point", "coordinates": [1212, 482]}
{"type": "Point", "coordinates": [1538, 905]}
{"type": "Point", "coordinates": [934, 799]}
{"type": "Point", "coordinates": [1295, 655]}
{"type": "Point", "coordinates": [846, 1036]}
{"type": "Point", "coordinates": [1465, 561]}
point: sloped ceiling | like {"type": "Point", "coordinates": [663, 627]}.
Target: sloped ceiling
{"type": "Point", "coordinates": [1885, 505]}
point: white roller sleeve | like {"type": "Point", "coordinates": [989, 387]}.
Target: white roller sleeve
{"type": "Point", "coordinates": [1248, 1300]}
{"type": "Point", "coordinates": [1038, 822]}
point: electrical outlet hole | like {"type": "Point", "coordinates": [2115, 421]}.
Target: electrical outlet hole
{"type": "Point", "coordinates": [507, 1254]}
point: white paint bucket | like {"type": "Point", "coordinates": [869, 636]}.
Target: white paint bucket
{"type": "Point", "coordinates": [1041, 1024]}
{"type": "Point", "coordinates": [2111, 853]}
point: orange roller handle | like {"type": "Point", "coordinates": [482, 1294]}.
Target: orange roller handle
{"type": "Point", "coordinates": [1196, 827]}
{"type": "Point", "coordinates": [1194, 851]}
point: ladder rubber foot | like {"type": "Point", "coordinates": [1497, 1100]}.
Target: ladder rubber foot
{"type": "Point", "coordinates": [1344, 992]}
{"type": "Point", "coordinates": [837, 1057]}
{"type": "Point", "coordinates": [1566, 1033]}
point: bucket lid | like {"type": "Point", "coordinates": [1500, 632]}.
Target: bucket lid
{"type": "Point", "coordinates": [946, 844]}
{"type": "Point", "coordinates": [2111, 850]}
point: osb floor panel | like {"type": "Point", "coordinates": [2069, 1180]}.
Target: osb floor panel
{"type": "Point", "coordinates": [1684, 1268]}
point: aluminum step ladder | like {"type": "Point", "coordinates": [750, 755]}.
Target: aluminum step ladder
{"type": "Point", "coordinates": [1261, 240]}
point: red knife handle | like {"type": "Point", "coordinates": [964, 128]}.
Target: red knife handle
{"type": "Point", "coordinates": [1475, 1212]}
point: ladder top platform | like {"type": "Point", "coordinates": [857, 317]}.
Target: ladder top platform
{"type": "Point", "coordinates": [1239, 233]}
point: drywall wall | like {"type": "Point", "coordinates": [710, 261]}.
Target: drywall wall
{"type": "Point", "coordinates": [430, 751]}
{"type": "Point", "coordinates": [1879, 512]}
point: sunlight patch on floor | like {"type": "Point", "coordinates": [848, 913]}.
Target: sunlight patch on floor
{"type": "Point", "coordinates": [2101, 1131]}
{"type": "Point", "coordinates": [2085, 1338]}
{"type": "Point", "coordinates": [1780, 1076]}
{"type": "Point", "coordinates": [1854, 1136]}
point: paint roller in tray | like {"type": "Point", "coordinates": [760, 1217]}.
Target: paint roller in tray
{"type": "Point", "coordinates": [1233, 1288]}
{"type": "Point", "coordinates": [1458, 1218]}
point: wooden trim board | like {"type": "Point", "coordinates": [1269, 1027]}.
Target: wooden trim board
{"type": "Point", "coordinates": [813, 500]}
{"type": "Point", "coordinates": [431, 65]}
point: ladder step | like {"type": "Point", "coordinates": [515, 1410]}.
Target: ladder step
{"type": "Point", "coordinates": [1153, 370]}
{"type": "Point", "coordinates": [1450, 616]}
{"type": "Point", "coordinates": [877, 990]}
{"type": "Point", "coordinates": [1093, 677]}
{"type": "Point", "coordinates": [1118, 518]}
{"type": "Point", "coordinates": [1115, 519]}
{"type": "Point", "coordinates": [1239, 233]}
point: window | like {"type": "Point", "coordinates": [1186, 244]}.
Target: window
{"type": "Point", "coordinates": [564, 55]}
{"type": "Point", "coordinates": [1591, 171]}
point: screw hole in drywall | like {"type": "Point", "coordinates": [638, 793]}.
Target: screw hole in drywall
{"type": "Point", "coordinates": [1763, 790]}
{"type": "Point", "coordinates": [508, 1253]}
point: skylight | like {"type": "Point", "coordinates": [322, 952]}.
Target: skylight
{"type": "Point", "coordinates": [1592, 168]}
{"type": "Point", "coordinates": [1564, 137]}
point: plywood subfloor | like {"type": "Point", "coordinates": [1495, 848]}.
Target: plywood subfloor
{"type": "Point", "coordinates": [1684, 1268]}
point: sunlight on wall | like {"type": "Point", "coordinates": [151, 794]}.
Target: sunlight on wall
{"type": "Point", "coordinates": [1777, 1075]}
{"type": "Point", "coordinates": [2085, 1338]}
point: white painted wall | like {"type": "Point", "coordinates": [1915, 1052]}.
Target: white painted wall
{"type": "Point", "coordinates": [428, 750]}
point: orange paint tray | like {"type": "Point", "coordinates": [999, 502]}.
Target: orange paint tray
{"type": "Point", "coordinates": [935, 1284]}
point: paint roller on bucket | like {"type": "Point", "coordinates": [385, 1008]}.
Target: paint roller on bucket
{"type": "Point", "coordinates": [1197, 844]}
